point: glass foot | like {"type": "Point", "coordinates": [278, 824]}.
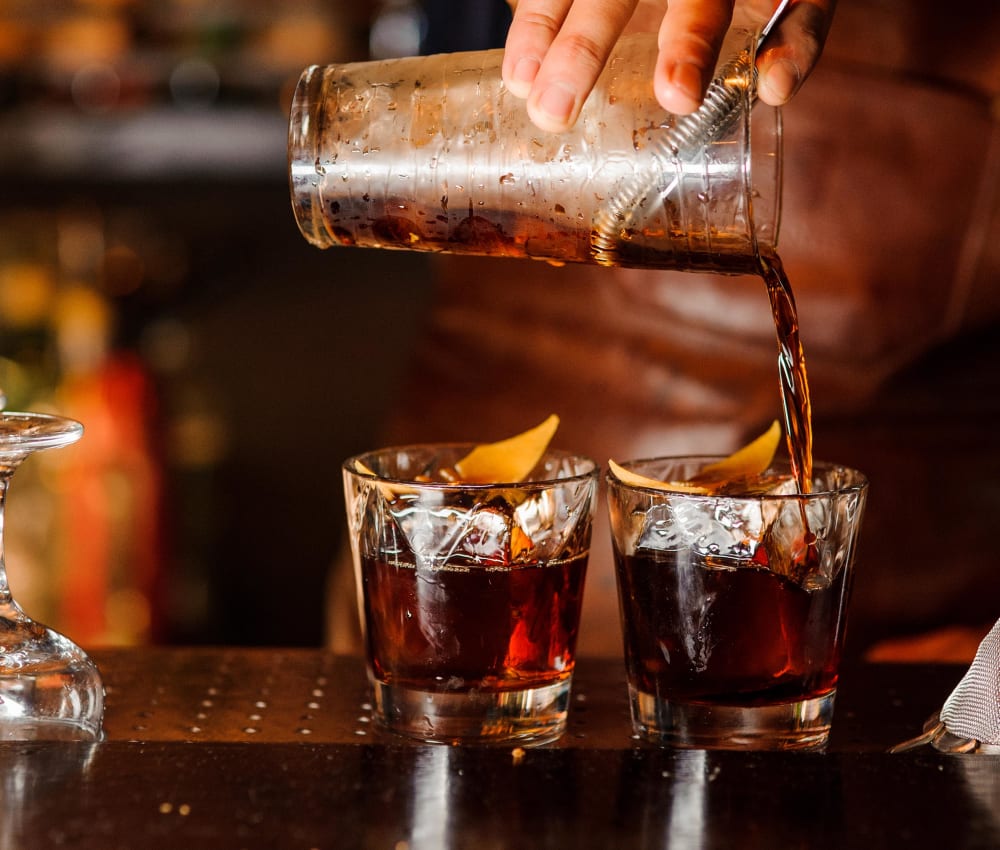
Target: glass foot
{"type": "Point", "coordinates": [528, 717]}
{"type": "Point", "coordinates": [799, 725]}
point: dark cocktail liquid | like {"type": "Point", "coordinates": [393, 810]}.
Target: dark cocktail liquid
{"type": "Point", "coordinates": [744, 636]}
{"type": "Point", "coordinates": [490, 628]}
{"type": "Point", "coordinates": [792, 377]}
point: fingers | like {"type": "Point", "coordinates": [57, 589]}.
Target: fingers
{"type": "Point", "coordinates": [793, 49]}
{"type": "Point", "coordinates": [533, 28]}
{"type": "Point", "coordinates": [555, 51]}
{"type": "Point", "coordinates": [690, 38]}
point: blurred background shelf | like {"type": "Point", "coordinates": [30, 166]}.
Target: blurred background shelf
{"type": "Point", "coordinates": [156, 144]}
{"type": "Point", "coordinates": [154, 285]}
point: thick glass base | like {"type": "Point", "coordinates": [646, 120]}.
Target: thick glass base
{"type": "Point", "coordinates": [50, 689]}
{"type": "Point", "coordinates": [527, 717]}
{"type": "Point", "coordinates": [800, 725]}
{"type": "Point", "coordinates": [49, 730]}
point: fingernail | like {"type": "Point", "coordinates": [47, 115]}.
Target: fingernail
{"type": "Point", "coordinates": [557, 102]}
{"type": "Point", "coordinates": [685, 78]}
{"type": "Point", "coordinates": [526, 70]}
{"type": "Point", "coordinates": [779, 81]}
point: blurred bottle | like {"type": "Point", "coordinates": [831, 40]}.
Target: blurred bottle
{"type": "Point", "coordinates": [85, 548]}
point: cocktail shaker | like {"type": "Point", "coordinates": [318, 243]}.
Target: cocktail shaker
{"type": "Point", "coordinates": [434, 154]}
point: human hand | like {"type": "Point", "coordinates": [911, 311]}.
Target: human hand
{"type": "Point", "coordinates": [556, 49]}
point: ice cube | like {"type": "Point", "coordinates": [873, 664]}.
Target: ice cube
{"type": "Point", "coordinates": [669, 526]}
{"type": "Point", "coordinates": [456, 536]}
{"type": "Point", "coordinates": [718, 528]}
{"type": "Point", "coordinates": [491, 532]}
{"type": "Point", "coordinates": [793, 528]}
{"type": "Point", "coordinates": [550, 519]}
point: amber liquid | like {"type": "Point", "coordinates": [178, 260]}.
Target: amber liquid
{"type": "Point", "coordinates": [759, 639]}
{"type": "Point", "coordinates": [476, 628]}
{"type": "Point", "coordinates": [559, 239]}
{"type": "Point", "coordinates": [794, 381]}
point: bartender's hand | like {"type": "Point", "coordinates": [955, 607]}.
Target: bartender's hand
{"type": "Point", "coordinates": [556, 49]}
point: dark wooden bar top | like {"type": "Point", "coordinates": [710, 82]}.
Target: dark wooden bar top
{"type": "Point", "coordinates": [249, 748]}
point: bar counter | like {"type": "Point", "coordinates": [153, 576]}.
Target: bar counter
{"type": "Point", "coordinates": [249, 748]}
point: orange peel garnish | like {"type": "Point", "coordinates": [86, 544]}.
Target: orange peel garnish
{"type": "Point", "coordinates": [634, 479]}
{"type": "Point", "coordinates": [750, 461]}
{"type": "Point", "coordinates": [507, 461]}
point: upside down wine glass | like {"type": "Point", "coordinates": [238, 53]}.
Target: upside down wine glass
{"type": "Point", "coordinates": [49, 688]}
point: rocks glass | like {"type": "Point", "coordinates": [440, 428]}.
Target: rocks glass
{"type": "Point", "coordinates": [469, 594]}
{"type": "Point", "coordinates": [733, 604]}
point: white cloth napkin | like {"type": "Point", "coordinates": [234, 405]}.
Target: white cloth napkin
{"type": "Point", "coordinates": [973, 709]}
{"type": "Point", "coordinates": [969, 720]}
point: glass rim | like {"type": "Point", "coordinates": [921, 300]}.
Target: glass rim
{"type": "Point", "coordinates": [859, 484]}
{"type": "Point", "coordinates": [54, 431]}
{"type": "Point", "coordinates": [348, 466]}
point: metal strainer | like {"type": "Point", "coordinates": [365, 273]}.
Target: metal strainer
{"type": "Point", "coordinates": [733, 84]}
{"type": "Point", "coordinates": [969, 720]}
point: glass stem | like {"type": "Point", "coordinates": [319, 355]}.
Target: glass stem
{"type": "Point", "coordinates": [5, 597]}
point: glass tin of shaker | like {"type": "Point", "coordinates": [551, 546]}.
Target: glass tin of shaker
{"type": "Point", "coordinates": [434, 154]}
